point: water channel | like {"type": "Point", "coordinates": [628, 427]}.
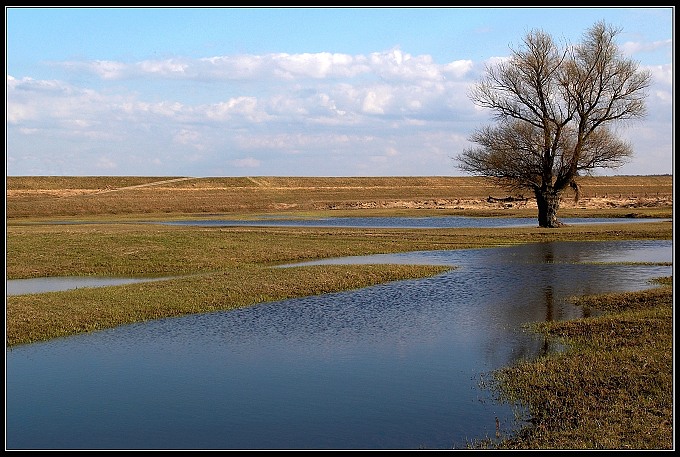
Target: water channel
{"type": "Point", "coordinates": [393, 366]}
{"type": "Point", "coordinates": [401, 222]}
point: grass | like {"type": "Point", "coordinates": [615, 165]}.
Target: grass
{"type": "Point", "coordinates": [50, 315]}
{"type": "Point", "coordinates": [223, 267]}
{"type": "Point", "coordinates": [612, 388]}
{"type": "Point", "coordinates": [161, 250]}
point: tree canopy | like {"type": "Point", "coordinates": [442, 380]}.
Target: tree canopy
{"type": "Point", "coordinates": [555, 113]}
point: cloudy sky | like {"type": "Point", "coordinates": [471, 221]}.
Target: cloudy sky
{"type": "Point", "coordinates": [286, 91]}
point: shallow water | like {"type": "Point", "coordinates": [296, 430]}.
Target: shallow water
{"type": "Point", "coordinates": [399, 222]}
{"type": "Point", "coordinates": [52, 284]}
{"type": "Point", "coordinates": [394, 366]}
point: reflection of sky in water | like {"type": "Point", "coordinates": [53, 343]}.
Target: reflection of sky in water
{"type": "Point", "coordinates": [566, 252]}
{"type": "Point", "coordinates": [393, 366]}
{"type": "Point", "coordinates": [617, 251]}
{"type": "Point", "coordinates": [38, 285]}
{"type": "Point", "coordinates": [399, 222]}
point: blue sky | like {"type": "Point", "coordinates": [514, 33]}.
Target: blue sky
{"type": "Point", "coordinates": [286, 91]}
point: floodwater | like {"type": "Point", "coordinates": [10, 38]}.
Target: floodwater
{"type": "Point", "coordinates": [393, 366]}
{"type": "Point", "coordinates": [53, 284]}
{"type": "Point", "coordinates": [399, 222]}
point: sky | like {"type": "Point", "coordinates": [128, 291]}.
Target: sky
{"type": "Point", "coordinates": [287, 91]}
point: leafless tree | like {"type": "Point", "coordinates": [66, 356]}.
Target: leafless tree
{"type": "Point", "coordinates": [555, 111]}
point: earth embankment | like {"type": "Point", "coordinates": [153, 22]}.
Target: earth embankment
{"type": "Point", "coordinates": [57, 196]}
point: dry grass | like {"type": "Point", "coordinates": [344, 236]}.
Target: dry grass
{"type": "Point", "coordinates": [49, 197]}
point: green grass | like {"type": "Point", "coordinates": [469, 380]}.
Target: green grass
{"type": "Point", "coordinates": [612, 388]}
{"type": "Point", "coordinates": [50, 315]}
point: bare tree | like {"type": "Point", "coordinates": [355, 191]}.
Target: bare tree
{"type": "Point", "coordinates": [555, 111]}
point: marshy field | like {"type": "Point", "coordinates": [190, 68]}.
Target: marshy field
{"type": "Point", "coordinates": [612, 389]}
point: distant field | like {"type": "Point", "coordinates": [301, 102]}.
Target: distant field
{"type": "Point", "coordinates": [56, 196]}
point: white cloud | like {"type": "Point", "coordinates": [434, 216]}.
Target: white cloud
{"type": "Point", "coordinates": [168, 109]}
{"type": "Point", "coordinates": [337, 110]}
{"type": "Point", "coordinates": [317, 66]}
{"type": "Point", "coordinates": [630, 48]}
{"type": "Point", "coordinates": [458, 69]}
{"type": "Point", "coordinates": [165, 67]}
{"type": "Point", "coordinates": [375, 101]}
{"type": "Point", "coordinates": [248, 162]}
{"type": "Point", "coordinates": [391, 152]}
{"type": "Point", "coordinates": [241, 107]}
{"type": "Point", "coordinates": [190, 138]}
{"type": "Point", "coordinates": [390, 65]}
{"type": "Point", "coordinates": [104, 69]}
{"type": "Point", "coordinates": [297, 141]}
{"type": "Point", "coordinates": [662, 74]}
{"type": "Point", "coordinates": [104, 163]}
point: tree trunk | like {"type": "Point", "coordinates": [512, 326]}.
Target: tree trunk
{"type": "Point", "coordinates": [548, 201]}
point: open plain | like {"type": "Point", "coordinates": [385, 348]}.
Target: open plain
{"type": "Point", "coordinates": [40, 197]}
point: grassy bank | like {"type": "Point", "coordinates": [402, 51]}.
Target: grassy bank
{"type": "Point", "coordinates": [611, 389]}
{"type": "Point", "coordinates": [50, 315]}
